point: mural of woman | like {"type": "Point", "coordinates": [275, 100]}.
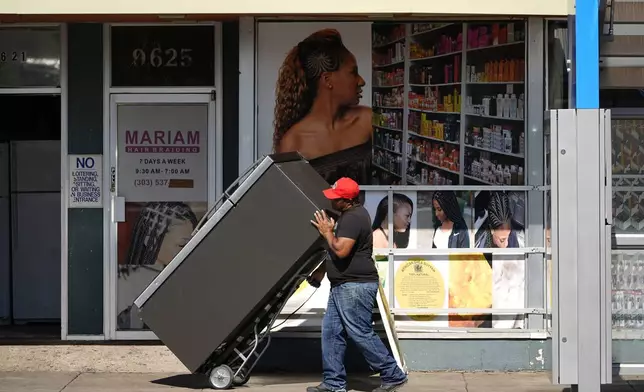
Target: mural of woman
{"type": "Point", "coordinates": [403, 209]}
{"type": "Point", "coordinates": [451, 230]}
{"type": "Point", "coordinates": [317, 110]}
{"type": "Point", "coordinates": [161, 230]}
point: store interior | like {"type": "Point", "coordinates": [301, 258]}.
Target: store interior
{"type": "Point", "coordinates": [449, 103]}
{"type": "Point", "coordinates": [30, 219]}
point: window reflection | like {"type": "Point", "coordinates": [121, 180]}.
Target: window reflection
{"type": "Point", "coordinates": [557, 69]}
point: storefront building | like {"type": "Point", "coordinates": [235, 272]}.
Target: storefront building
{"type": "Point", "coordinates": [150, 118]}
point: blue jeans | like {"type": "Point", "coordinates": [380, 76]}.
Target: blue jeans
{"type": "Point", "coordinates": [349, 314]}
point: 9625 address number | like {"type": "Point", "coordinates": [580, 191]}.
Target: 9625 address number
{"type": "Point", "coordinates": [158, 57]}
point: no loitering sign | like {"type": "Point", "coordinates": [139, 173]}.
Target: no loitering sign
{"type": "Point", "coordinates": [85, 181]}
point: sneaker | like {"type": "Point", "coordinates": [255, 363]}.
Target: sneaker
{"type": "Point", "coordinates": [323, 388]}
{"type": "Point", "coordinates": [389, 387]}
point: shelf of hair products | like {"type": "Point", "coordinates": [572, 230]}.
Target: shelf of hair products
{"type": "Point", "coordinates": [449, 103]}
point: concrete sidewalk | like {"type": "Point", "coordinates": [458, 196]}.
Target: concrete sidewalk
{"type": "Point", "coordinates": [150, 382]}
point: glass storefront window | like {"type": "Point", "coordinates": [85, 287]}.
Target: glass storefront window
{"type": "Point", "coordinates": [621, 98]}
{"type": "Point", "coordinates": [628, 175]}
{"type": "Point", "coordinates": [430, 106]}
{"type": "Point", "coordinates": [627, 262]}
{"type": "Point", "coordinates": [557, 50]}
{"type": "Point", "coordinates": [167, 56]}
{"type": "Point", "coordinates": [29, 57]}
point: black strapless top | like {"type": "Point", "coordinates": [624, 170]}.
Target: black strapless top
{"type": "Point", "coordinates": [353, 162]}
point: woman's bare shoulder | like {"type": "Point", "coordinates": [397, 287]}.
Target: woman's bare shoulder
{"type": "Point", "coordinates": [362, 113]}
{"type": "Point", "coordinates": [362, 117]}
{"type": "Point", "coordinates": [294, 137]}
{"type": "Point", "coordinates": [379, 239]}
{"type": "Point", "coordinates": [289, 141]}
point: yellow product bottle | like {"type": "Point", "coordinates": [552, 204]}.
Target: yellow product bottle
{"type": "Point", "coordinates": [423, 123]}
{"type": "Point", "coordinates": [455, 99]}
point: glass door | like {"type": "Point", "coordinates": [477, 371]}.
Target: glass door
{"type": "Point", "coordinates": [160, 148]}
{"type": "Point", "coordinates": [627, 264]}
{"type": "Point", "coordinates": [5, 236]}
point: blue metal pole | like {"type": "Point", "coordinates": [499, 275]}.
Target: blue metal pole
{"type": "Point", "coordinates": [586, 61]}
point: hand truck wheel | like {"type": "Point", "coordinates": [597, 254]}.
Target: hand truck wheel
{"type": "Point", "coordinates": [221, 377]}
{"type": "Point", "coordinates": [241, 378]}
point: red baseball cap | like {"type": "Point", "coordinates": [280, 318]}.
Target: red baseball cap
{"type": "Point", "coordinates": [344, 188]}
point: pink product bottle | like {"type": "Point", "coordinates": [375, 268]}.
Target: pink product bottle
{"type": "Point", "coordinates": [446, 44]}
{"type": "Point", "coordinates": [472, 38]}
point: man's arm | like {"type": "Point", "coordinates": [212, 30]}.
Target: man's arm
{"type": "Point", "coordinates": [347, 233]}
{"type": "Point", "coordinates": [340, 246]}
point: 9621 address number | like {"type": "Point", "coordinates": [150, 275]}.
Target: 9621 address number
{"type": "Point", "coordinates": [158, 57]}
{"type": "Point", "coordinates": [13, 56]}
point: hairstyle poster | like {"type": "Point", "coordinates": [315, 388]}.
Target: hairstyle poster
{"type": "Point", "coordinates": [448, 219]}
{"type": "Point", "coordinates": [311, 75]}
{"type": "Point", "coordinates": [404, 219]}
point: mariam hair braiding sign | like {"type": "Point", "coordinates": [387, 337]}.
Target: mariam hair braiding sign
{"type": "Point", "coordinates": [163, 152]}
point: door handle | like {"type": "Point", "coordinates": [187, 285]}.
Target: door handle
{"type": "Point", "coordinates": [13, 207]}
{"type": "Point", "coordinates": [119, 209]}
{"type": "Point", "coordinates": [608, 168]}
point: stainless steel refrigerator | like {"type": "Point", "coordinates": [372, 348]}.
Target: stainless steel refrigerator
{"type": "Point", "coordinates": [30, 232]}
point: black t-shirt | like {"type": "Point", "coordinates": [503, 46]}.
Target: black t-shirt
{"type": "Point", "coordinates": [359, 265]}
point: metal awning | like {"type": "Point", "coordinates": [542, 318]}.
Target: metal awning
{"type": "Point", "coordinates": [408, 8]}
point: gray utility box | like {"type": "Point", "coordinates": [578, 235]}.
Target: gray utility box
{"type": "Point", "coordinates": [250, 249]}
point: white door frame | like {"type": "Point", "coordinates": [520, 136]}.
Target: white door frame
{"type": "Point", "coordinates": [111, 181]}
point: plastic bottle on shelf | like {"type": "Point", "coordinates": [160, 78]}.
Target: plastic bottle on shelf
{"type": "Point", "coordinates": [507, 177]}
{"type": "Point", "coordinates": [514, 176]}
{"type": "Point", "coordinates": [499, 106]}
{"type": "Point", "coordinates": [499, 174]}
{"type": "Point", "coordinates": [513, 106]}
{"type": "Point", "coordinates": [506, 106]}
{"type": "Point", "coordinates": [522, 144]}
{"type": "Point", "coordinates": [520, 107]}
{"type": "Point", "coordinates": [508, 141]}
{"type": "Point", "coordinates": [424, 176]}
